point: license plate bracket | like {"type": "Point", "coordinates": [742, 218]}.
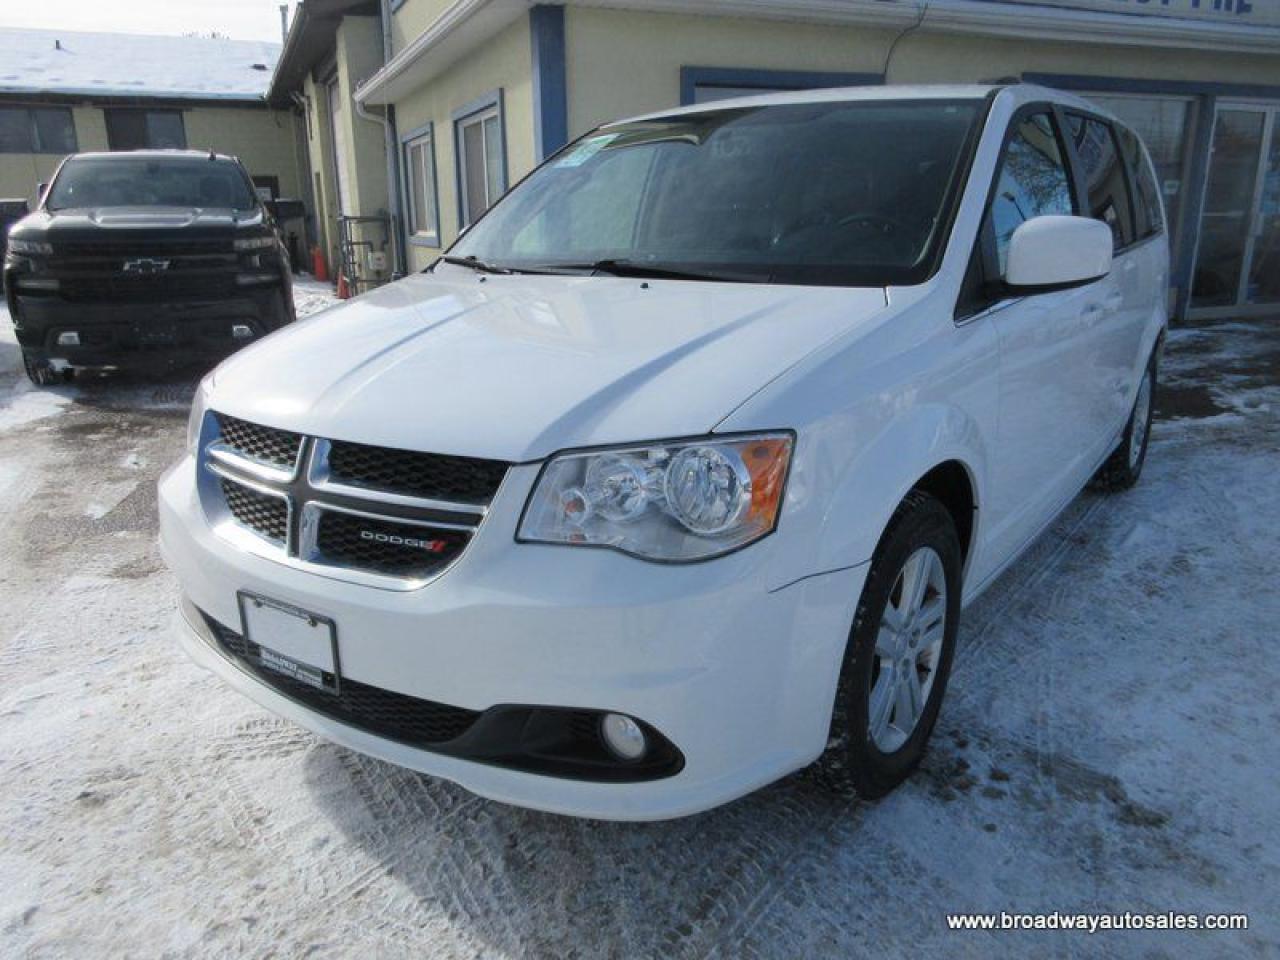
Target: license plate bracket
{"type": "Point", "coordinates": [290, 641]}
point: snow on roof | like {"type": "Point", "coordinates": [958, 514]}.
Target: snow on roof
{"type": "Point", "coordinates": [133, 65]}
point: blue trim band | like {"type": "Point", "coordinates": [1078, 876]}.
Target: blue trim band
{"type": "Point", "coordinates": [550, 84]}
{"type": "Point", "coordinates": [693, 77]}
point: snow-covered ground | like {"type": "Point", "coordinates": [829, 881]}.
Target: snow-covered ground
{"type": "Point", "coordinates": [1109, 744]}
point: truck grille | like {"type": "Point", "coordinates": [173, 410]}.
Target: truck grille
{"type": "Point", "coordinates": [159, 288]}
{"type": "Point", "coordinates": [360, 512]}
{"type": "Point", "coordinates": [429, 475]}
{"type": "Point", "coordinates": [408, 719]}
{"type": "Point", "coordinates": [264, 444]}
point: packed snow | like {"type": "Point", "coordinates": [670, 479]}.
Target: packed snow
{"type": "Point", "coordinates": [1109, 744]}
{"type": "Point", "coordinates": [134, 65]}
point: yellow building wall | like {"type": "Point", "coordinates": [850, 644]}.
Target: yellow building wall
{"type": "Point", "coordinates": [648, 50]}
{"type": "Point", "coordinates": [22, 173]}
{"type": "Point", "coordinates": [263, 139]}
{"type": "Point", "coordinates": [412, 18]}
{"type": "Point", "coordinates": [621, 63]}
{"type": "Point", "coordinates": [504, 62]}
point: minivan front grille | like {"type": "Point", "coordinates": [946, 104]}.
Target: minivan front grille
{"type": "Point", "coordinates": [431, 476]}
{"type": "Point", "coordinates": [386, 517]}
{"type": "Point", "coordinates": [387, 546]}
{"type": "Point", "coordinates": [279, 448]}
{"type": "Point", "coordinates": [264, 514]}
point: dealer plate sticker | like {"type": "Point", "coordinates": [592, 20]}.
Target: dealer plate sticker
{"type": "Point", "coordinates": [291, 641]}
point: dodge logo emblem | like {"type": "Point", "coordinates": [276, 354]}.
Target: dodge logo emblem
{"type": "Point", "coordinates": [145, 265]}
{"type": "Point", "coordinates": [431, 546]}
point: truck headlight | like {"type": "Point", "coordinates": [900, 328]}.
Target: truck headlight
{"type": "Point", "coordinates": [30, 247]}
{"type": "Point", "coordinates": [677, 501]}
{"type": "Point", "coordinates": [265, 242]}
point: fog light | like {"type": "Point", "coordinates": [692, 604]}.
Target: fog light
{"type": "Point", "coordinates": [623, 736]}
{"type": "Point", "coordinates": [69, 339]}
{"type": "Point", "coordinates": [241, 331]}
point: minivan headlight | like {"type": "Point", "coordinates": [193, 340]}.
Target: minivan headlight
{"type": "Point", "coordinates": [674, 501]}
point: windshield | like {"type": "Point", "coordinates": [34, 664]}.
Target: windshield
{"type": "Point", "coordinates": [149, 182]}
{"type": "Point", "coordinates": [840, 193]}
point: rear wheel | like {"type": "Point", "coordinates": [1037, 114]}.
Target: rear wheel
{"type": "Point", "coordinates": [899, 654]}
{"type": "Point", "coordinates": [1124, 466]}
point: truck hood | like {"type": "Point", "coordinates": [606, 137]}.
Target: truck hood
{"type": "Point", "coordinates": [518, 367]}
{"type": "Point", "coordinates": [121, 223]}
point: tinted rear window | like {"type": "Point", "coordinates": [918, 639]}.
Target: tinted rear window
{"type": "Point", "coordinates": [151, 182]}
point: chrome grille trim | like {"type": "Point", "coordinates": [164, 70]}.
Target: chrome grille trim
{"type": "Point", "coordinates": [220, 452]}
{"type": "Point", "coordinates": [320, 478]}
{"type": "Point", "coordinates": [309, 494]}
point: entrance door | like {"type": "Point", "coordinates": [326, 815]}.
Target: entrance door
{"type": "Point", "coordinates": [1238, 255]}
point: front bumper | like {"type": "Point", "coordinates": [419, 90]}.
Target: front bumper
{"type": "Point", "coordinates": [144, 334]}
{"type": "Point", "coordinates": [740, 679]}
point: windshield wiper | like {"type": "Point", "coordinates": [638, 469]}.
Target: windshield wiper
{"type": "Point", "coordinates": [475, 263]}
{"type": "Point", "coordinates": [631, 268]}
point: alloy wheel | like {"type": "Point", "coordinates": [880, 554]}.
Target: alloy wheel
{"type": "Point", "coordinates": [908, 650]}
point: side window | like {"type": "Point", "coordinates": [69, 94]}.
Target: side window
{"type": "Point", "coordinates": [1032, 183]}
{"type": "Point", "coordinates": [1146, 195]}
{"type": "Point", "coordinates": [1104, 178]}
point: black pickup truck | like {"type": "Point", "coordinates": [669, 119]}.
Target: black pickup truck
{"type": "Point", "coordinates": [144, 259]}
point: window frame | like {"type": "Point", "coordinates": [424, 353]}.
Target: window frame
{"type": "Point", "coordinates": [109, 112]}
{"type": "Point", "coordinates": [423, 136]}
{"type": "Point", "coordinates": [33, 130]}
{"type": "Point", "coordinates": [983, 288]}
{"type": "Point", "coordinates": [1083, 189]}
{"type": "Point", "coordinates": [477, 111]}
{"type": "Point", "coordinates": [1134, 174]}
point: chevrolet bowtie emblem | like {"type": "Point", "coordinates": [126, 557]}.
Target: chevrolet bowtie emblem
{"type": "Point", "coordinates": [145, 265]}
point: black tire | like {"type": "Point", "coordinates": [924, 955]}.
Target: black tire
{"type": "Point", "coordinates": [38, 371]}
{"type": "Point", "coordinates": [1123, 468]}
{"type": "Point", "coordinates": [854, 762]}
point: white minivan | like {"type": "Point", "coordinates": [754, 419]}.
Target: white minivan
{"type": "Point", "coordinates": [673, 475]}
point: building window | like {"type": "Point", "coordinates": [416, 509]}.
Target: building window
{"type": "Point", "coordinates": [37, 130]}
{"type": "Point", "coordinates": [481, 152]}
{"type": "Point", "coordinates": [420, 180]}
{"type": "Point", "coordinates": [129, 129]}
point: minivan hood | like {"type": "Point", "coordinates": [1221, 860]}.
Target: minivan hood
{"type": "Point", "coordinates": [518, 367]}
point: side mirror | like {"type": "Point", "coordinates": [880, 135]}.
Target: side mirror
{"type": "Point", "coordinates": [1055, 252]}
{"type": "Point", "coordinates": [41, 189]}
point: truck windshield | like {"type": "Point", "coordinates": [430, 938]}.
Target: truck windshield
{"type": "Point", "coordinates": [125, 181]}
{"type": "Point", "coordinates": [835, 193]}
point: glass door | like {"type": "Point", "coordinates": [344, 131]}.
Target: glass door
{"type": "Point", "coordinates": [1239, 244]}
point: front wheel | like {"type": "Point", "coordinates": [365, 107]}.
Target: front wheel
{"type": "Point", "coordinates": [38, 371]}
{"type": "Point", "coordinates": [899, 654]}
{"type": "Point", "coordinates": [1124, 466]}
